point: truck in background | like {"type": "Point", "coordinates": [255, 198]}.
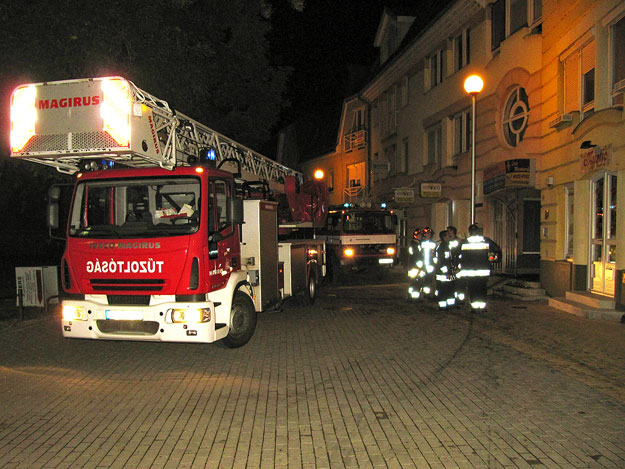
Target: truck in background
{"type": "Point", "coordinates": [173, 228]}
{"type": "Point", "coordinates": [360, 238]}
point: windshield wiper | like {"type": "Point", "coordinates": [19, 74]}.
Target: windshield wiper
{"type": "Point", "coordinates": [99, 230]}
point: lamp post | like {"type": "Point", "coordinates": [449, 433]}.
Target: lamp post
{"type": "Point", "coordinates": [473, 85]}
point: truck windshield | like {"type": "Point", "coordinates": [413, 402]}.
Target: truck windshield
{"type": "Point", "coordinates": [368, 222]}
{"type": "Point", "coordinates": [136, 208]}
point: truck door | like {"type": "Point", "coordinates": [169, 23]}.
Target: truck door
{"type": "Point", "coordinates": [223, 243]}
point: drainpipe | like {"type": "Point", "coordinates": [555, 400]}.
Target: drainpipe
{"type": "Point", "coordinates": [369, 127]}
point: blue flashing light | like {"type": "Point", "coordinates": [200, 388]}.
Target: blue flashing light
{"type": "Point", "coordinates": [211, 154]}
{"type": "Point", "coordinates": [383, 205]}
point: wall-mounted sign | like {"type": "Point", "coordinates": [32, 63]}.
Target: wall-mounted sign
{"type": "Point", "coordinates": [595, 158]}
{"type": "Point", "coordinates": [380, 167]}
{"type": "Point", "coordinates": [431, 189]}
{"type": "Point", "coordinates": [404, 196]}
{"type": "Point", "coordinates": [509, 173]}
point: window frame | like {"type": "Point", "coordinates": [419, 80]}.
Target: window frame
{"type": "Point", "coordinates": [462, 124]}
{"type": "Point", "coordinates": [437, 157]}
{"type": "Point", "coordinates": [581, 104]}
{"type": "Point", "coordinates": [617, 86]}
{"type": "Point", "coordinates": [461, 49]}
{"type": "Point", "coordinates": [531, 20]}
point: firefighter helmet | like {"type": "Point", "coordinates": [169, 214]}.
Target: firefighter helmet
{"type": "Point", "coordinates": [427, 230]}
{"type": "Point", "coordinates": [416, 233]}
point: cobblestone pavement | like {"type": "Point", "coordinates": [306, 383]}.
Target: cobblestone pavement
{"type": "Point", "coordinates": [361, 379]}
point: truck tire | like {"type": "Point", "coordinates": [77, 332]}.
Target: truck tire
{"type": "Point", "coordinates": [310, 295]}
{"type": "Point", "coordinates": [335, 270]}
{"type": "Point", "coordinates": [242, 321]}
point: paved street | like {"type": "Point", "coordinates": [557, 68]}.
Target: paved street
{"type": "Point", "coordinates": [364, 378]}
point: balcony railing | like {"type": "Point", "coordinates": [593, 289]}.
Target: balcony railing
{"type": "Point", "coordinates": [355, 140]}
{"type": "Point", "coordinates": [353, 195]}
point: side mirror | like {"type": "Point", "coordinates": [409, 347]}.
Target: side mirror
{"type": "Point", "coordinates": [53, 215]}
{"type": "Point", "coordinates": [236, 209]}
{"type": "Point", "coordinates": [53, 212]}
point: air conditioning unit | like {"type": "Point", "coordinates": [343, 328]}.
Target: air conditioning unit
{"type": "Point", "coordinates": [561, 119]}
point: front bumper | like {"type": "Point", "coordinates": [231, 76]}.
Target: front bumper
{"type": "Point", "coordinates": [358, 262]}
{"type": "Point", "coordinates": [137, 322]}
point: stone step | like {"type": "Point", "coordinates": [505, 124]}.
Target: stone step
{"type": "Point", "coordinates": [523, 284]}
{"type": "Point", "coordinates": [586, 311]}
{"type": "Point", "coordinates": [592, 300]}
{"type": "Point", "coordinates": [523, 291]}
{"type": "Point", "coordinates": [525, 297]}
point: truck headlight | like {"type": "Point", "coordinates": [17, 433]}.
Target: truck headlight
{"type": "Point", "coordinates": [195, 315]}
{"type": "Point", "coordinates": [390, 251]}
{"type": "Point", "coordinates": [348, 252]}
{"type": "Point", "coordinates": [73, 313]}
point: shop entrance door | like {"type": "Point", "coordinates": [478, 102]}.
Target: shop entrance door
{"type": "Point", "coordinates": [603, 234]}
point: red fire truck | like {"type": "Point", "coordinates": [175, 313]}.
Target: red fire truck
{"type": "Point", "coordinates": [173, 231]}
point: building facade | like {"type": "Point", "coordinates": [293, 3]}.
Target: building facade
{"type": "Point", "coordinates": [583, 148]}
{"type": "Point", "coordinates": [549, 126]}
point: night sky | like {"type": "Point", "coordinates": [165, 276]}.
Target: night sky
{"type": "Point", "coordinates": [330, 48]}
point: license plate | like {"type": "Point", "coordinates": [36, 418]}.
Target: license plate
{"type": "Point", "coordinates": [123, 315]}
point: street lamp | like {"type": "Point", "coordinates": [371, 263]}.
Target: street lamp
{"type": "Point", "coordinates": [473, 85]}
{"type": "Point", "coordinates": [318, 174]}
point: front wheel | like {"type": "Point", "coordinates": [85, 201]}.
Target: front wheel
{"type": "Point", "coordinates": [310, 295]}
{"type": "Point", "coordinates": [242, 321]}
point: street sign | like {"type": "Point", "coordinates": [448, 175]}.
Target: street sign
{"type": "Point", "coordinates": [431, 189]}
{"type": "Point", "coordinates": [380, 167]}
{"type": "Point", "coordinates": [404, 196]}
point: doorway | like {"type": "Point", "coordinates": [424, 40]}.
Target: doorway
{"type": "Point", "coordinates": [603, 233]}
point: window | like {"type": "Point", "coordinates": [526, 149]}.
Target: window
{"type": "Point", "coordinates": [518, 15]}
{"type": "Point", "coordinates": [404, 92]}
{"type": "Point", "coordinates": [357, 120]}
{"type": "Point", "coordinates": [331, 181]}
{"type": "Point", "coordinates": [516, 116]}
{"type": "Point", "coordinates": [509, 16]}
{"type": "Point", "coordinates": [402, 157]}
{"type": "Point", "coordinates": [536, 11]}
{"type": "Point", "coordinates": [434, 143]}
{"type": "Point", "coordinates": [435, 65]}
{"type": "Point", "coordinates": [579, 80]}
{"type": "Point", "coordinates": [390, 154]}
{"type": "Point", "coordinates": [462, 132]}
{"type": "Point", "coordinates": [498, 25]}
{"type": "Point", "coordinates": [618, 64]}
{"type": "Point", "coordinates": [391, 110]}
{"type": "Point", "coordinates": [461, 49]}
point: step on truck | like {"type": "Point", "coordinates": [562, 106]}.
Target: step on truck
{"type": "Point", "coordinates": [172, 233]}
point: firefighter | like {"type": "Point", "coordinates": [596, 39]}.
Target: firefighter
{"type": "Point", "coordinates": [415, 272]}
{"type": "Point", "coordinates": [476, 254]}
{"type": "Point", "coordinates": [428, 248]}
{"type": "Point", "coordinates": [444, 273]}
{"type": "Point", "coordinates": [457, 285]}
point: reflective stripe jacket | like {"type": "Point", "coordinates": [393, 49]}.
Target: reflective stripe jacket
{"type": "Point", "coordinates": [428, 248]}
{"type": "Point", "coordinates": [474, 256]}
{"type": "Point", "coordinates": [444, 262]}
